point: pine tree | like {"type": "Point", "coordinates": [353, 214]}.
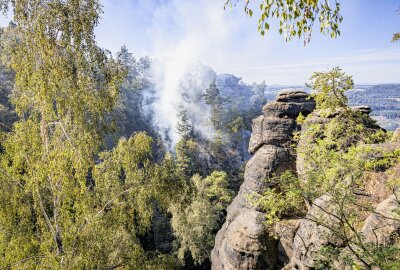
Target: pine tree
{"type": "Point", "coordinates": [212, 97]}
{"type": "Point", "coordinates": [329, 88]}
{"type": "Point", "coordinates": [184, 127]}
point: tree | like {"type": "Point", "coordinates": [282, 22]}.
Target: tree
{"type": "Point", "coordinates": [297, 17]}
{"type": "Point", "coordinates": [195, 224]}
{"type": "Point", "coordinates": [138, 71]}
{"type": "Point", "coordinates": [187, 158]}
{"type": "Point", "coordinates": [127, 116]}
{"type": "Point", "coordinates": [184, 127]}
{"type": "Point", "coordinates": [65, 204]}
{"type": "Point", "coordinates": [212, 97]}
{"type": "Point", "coordinates": [329, 88]}
{"type": "Point", "coordinates": [258, 100]}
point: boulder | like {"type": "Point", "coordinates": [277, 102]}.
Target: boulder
{"type": "Point", "coordinates": [242, 243]}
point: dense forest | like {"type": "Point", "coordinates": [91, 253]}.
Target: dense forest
{"type": "Point", "coordinates": [101, 169]}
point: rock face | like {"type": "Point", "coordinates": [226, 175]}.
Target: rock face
{"type": "Point", "coordinates": [362, 109]}
{"type": "Point", "coordinates": [311, 237]}
{"type": "Point", "coordinates": [380, 227]}
{"type": "Point", "coordinates": [396, 135]}
{"type": "Point", "coordinates": [242, 242]}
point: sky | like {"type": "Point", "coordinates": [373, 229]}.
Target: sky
{"type": "Point", "coordinates": [182, 32]}
{"type": "Point", "coordinates": [228, 40]}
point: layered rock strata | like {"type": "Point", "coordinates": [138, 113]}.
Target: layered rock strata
{"type": "Point", "coordinates": [242, 242]}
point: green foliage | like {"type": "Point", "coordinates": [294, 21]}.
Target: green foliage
{"type": "Point", "coordinates": [300, 119]}
{"type": "Point", "coordinates": [297, 17]}
{"type": "Point", "coordinates": [396, 37]}
{"type": "Point", "coordinates": [329, 88]}
{"type": "Point", "coordinates": [184, 127]}
{"type": "Point", "coordinates": [335, 155]}
{"type": "Point", "coordinates": [283, 201]}
{"type": "Point", "coordinates": [187, 152]}
{"type": "Point", "coordinates": [212, 97]}
{"type": "Point", "coordinates": [64, 204]}
{"type": "Point", "coordinates": [236, 124]}
{"type": "Point", "coordinates": [126, 117]}
{"type": "Point", "coordinates": [195, 223]}
{"type": "Point", "coordinates": [216, 188]}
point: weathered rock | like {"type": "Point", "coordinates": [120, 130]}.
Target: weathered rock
{"type": "Point", "coordinates": [271, 130]}
{"type": "Point", "coordinates": [277, 124]}
{"type": "Point", "coordinates": [312, 236]}
{"type": "Point", "coordinates": [292, 95]}
{"type": "Point", "coordinates": [292, 109]}
{"type": "Point", "coordinates": [380, 227]}
{"type": "Point", "coordinates": [362, 109]}
{"type": "Point", "coordinates": [396, 135]}
{"type": "Point", "coordinates": [243, 242]}
{"type": "Point", "coordinates": [286, 231]}
{"type": "Point", "coordinates": [266, 162]}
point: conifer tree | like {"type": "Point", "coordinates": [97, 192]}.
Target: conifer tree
{"type": "Point", "coordinates": [184, 127]}
{"type": "Point", "coordinates": [212, 97]}
{"type": "Point", "coordinates": [329, 88]}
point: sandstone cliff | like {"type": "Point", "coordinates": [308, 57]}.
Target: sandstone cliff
{"type": "Point", "coordinates": [242, 242]}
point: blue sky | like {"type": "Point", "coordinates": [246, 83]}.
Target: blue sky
{"type": "Point", "coordinates": [229, 42]}
{"type": "Point", "coordinates": [182, 32]}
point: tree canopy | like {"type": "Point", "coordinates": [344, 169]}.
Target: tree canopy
{"type": "Point", "coordinates": [329, 88]}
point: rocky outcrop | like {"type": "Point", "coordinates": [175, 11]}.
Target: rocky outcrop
{"type": "Point", "coordinates": [312, 236]}
{"type": "Point", "coordinates": [315, 231]}
{"type": "Point", "coordinates": [276, 125]}
{"type": "Point", "coordinates": [242, 242]}
{"type": "Point", "coordinates": [384, 224]}
{"type": "Point", "coordinates": [286, 230]}
{"type": "Point", "coordinates": [362, 109]}
{"type": "Point", "coordinates": [396, 135]}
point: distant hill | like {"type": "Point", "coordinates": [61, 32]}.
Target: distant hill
{"type": "Point", "coordinates": [384, 100]}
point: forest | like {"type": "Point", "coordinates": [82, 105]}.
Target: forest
{"type": "Point", "coordinates": [101, 170]}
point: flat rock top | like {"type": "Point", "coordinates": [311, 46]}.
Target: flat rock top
{"type": "Point", "coordinates": [291, 95]}
{"type": "Point", "coordinates": [363, 109]}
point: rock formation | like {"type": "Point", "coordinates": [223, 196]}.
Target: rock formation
{"type": "Point", "coordinates": [242, 242]}
{"type": "Point", "coordinates": [381, 226]}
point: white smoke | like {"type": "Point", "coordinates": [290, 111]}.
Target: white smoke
{"type": "Point", "coordinates": [199, 26]}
